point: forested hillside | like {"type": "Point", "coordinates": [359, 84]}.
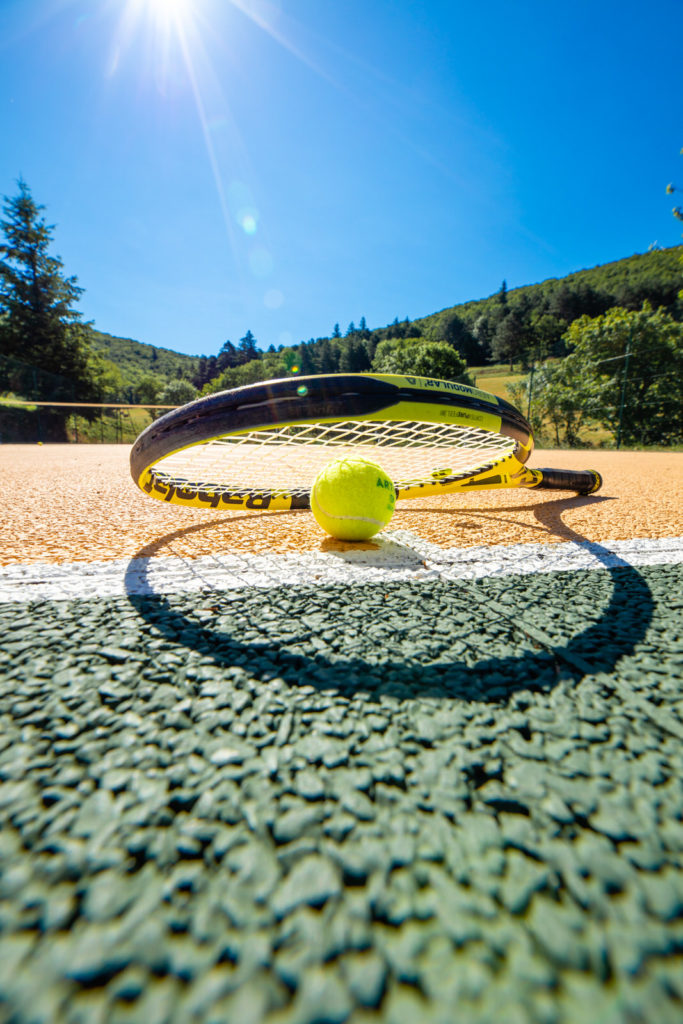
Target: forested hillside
{"type": "Point", "coordinates": [135, 359]}
{"type": "Point", "coordinates": [516, 324]}
{"type": "Point", "coordinates": [595, 342]}
{"type": "Point", "coordinates": [529, 323]}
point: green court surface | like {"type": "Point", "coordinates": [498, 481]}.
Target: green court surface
{"type": "Point", "coordinates": [432, 801]}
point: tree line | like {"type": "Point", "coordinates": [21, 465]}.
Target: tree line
{"type": "Point", "coordinates": [565, 332]}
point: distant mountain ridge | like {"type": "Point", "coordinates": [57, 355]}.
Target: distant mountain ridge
{"type": "Point", "coordinates": [656, 276]}
{"type": "Point", "coordinates": [136, 358]}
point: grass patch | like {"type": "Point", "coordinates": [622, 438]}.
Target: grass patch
{"type": "Point", "coordinates": [496, 379]}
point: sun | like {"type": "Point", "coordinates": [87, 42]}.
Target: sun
{"type": "Point", "coordinates": [158, 16]}
{"type": "Point", "coordinates": [169, 11]}
{"type": "Point", "coordinates": [162, 25]}
{"type": "Point", "coordinates": [163, 15]}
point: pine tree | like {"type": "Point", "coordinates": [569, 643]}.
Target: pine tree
{"type": "Point", "coordinates": [508, 341]}
{"type": "Point", "coordinates": [38, 322]}
{"type": "Point", "coordinates": [248, 349]}
{"type": "Point", "coordinates": [307, 363]}
{"type": "Point", "coordinates": [200, 378]}
{"type": "Point", "coordinates": [328, 362]}
{"type": "Point", "coordinates": [227, 357]}
{"type": "Point", "coordinates": [354, 357]}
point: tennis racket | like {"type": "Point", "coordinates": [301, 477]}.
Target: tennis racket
{"type": "Point", "coordinates": [261, 446]}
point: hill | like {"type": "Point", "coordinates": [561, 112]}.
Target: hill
{"type": "Point", "coordinates": [656, 276]}
{"type": "Point", "coordinates": [135, 359]}
{"type": "Point", "coordinates": [512, 326]}
{"type": "Point", "coordinates": [530, 322]}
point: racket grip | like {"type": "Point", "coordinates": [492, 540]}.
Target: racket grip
{"type": "Point", "coordinates": [583, 481]}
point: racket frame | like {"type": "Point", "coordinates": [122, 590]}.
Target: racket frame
{"type": "Point", "coordinates": [336, 399]}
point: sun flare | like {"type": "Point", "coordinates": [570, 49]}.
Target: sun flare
{"type": "Point", "coordinates": [169, 10]}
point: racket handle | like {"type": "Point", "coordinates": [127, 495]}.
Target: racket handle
{"type": "Point", "coordinates": [584, 481]}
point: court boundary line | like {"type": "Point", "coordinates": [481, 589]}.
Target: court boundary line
{"type": "Point", "coordinates": [400, 556]}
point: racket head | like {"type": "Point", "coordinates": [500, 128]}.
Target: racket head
{"type": "Point", "coordinates": [261, 446]}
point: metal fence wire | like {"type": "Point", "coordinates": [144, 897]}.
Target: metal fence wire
{"type": "Point", "coordinates": [38, 407]}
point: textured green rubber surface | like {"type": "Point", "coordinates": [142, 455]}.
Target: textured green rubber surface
{"type": "Point", "coordinates": [402, 803]}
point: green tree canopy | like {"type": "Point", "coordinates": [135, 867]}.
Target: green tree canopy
{"type": "Point", "coordinates": [624, 370]}
{"type": "Point", "coordinates": [633, 359]}
{"type": "Point", "coordinates": [177, 392]}
{"type": "Point", "coordinates": [561, 400]}
{"type": "Point", "coordinates": [420, 357]}
{"type": "Point", "coordinates": [40, 324]}
{"type": "Point", "coordinates": [148, 389]}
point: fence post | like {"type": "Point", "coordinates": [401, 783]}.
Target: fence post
{"type": "Point", "coordinates": [623, 388]}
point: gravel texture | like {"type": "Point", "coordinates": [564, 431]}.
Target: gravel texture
{"type": "Point", "coordinates": [403, 802]}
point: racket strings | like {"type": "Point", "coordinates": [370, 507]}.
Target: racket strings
{"type": "Point", "coordinates": [380, 433]}
{"type": "Point", "coordinates": [288, 457]}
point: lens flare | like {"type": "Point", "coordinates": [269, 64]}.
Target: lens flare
{"type": "Point", "coordinates": [248, 222]}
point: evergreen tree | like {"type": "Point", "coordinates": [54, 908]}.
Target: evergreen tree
{"type": "Point", "coordinates": [38, 322]}
{"type": "Point", "coordinates": [351, 329]}
{"type": "Point", "coordinates": [371, 345]}
{"type": "Point", "coordinates": [200, 378]}
{"type": "Point", "coordinates": [508, 342]}
{"type": "Point", "coordinates": [354, 357]}
{"type": "Point", "coordinates": [394, 330]}
{"type": "Point", "coordinates": [307, 363]}
{"type": "Point", "coordinates": [452, 329]}
{"type": "Point", "coordinates": [336, 333]}
{"type": "Point", "coordinates": [328, 357]}
{"type": "Point", "coordinates": [248, 349]}
{"type": "Point", "coordinates": [228, 357]}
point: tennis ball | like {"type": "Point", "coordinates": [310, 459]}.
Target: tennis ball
{"type": "Point", "coordinates": [352, 499]}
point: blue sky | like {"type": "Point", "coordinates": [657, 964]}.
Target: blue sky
{"type": "Point", "coordinates": [213, 166]}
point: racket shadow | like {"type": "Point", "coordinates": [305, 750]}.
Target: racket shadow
{"type": "Point", "coordinates": [252, 626]}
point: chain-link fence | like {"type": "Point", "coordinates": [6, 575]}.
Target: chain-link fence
{"type": "Point", "coordinates": [73, 423]}
{"type": "Point", "coordinates": [37, 407]}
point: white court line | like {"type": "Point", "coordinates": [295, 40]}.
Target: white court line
{"type": "Point", "coordinates": [399, 555]}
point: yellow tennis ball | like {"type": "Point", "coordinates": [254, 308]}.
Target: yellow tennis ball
{"type": "Point", "coordinates": [352, 498]}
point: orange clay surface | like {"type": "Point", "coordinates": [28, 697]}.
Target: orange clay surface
{"type": "Point", "coordinates": [76, 503]}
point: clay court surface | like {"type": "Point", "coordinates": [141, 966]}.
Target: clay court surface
{"type": "Point", "coordinates": [249, 774]}
{"type": "Point", "coordinates": [78, 503]}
